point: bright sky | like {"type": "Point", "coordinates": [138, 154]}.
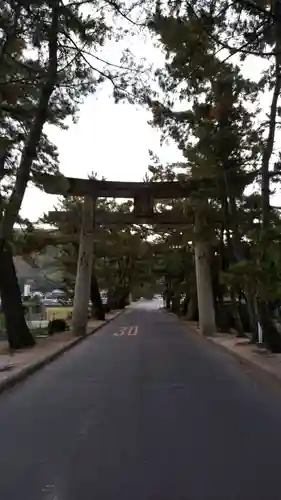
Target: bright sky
{"type": "Point", "coordinates": [109, 139]}
{"type": "Point", "coordinates": [112, 140]}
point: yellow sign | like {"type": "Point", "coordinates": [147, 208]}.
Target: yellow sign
{"type": "Point", "coordinates": [130, 331]}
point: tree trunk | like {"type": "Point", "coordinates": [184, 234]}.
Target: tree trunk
{"type": "Point", "coordinates": [175, 303]}
{"type": "Point", "coordinates": [236, 315]}
{"type": "Point", "coordinates": [121, 296]}
{"type": "Point", "coordinates": [184, 305]}
{"type": "Point", "coordinates": [235, 244]}
{"type": "Point", "coordinates": [30, 150]}
{"type": "Point", "coordinates": [230, 211]}
{"type": "Point", "coordinates": [97, 306]}
{"type": "Point", "coordinates": [271, 335]}
{"type": "Point", "coordinates": [84, 269]}
{"type": "Point", "coordinates": [167, 296]}
{"type": "Point", "coordinates": [18, 333]}
{"type": "Point", "coordinates": [10, 292]}
{"type": "Point", "coordinates": [268, 150]}
{"type": "Point", "coordinates": [192, 309]}
{"type": "Point", "coordinates": [252, 317]}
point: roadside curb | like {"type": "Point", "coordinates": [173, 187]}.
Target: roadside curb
{"type": "Point", "coordinates": [262, 372]}
{"type": "Point", "coordinates": [12, 380]}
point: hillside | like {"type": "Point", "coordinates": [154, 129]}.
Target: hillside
{"type": "Point", "coordinates": [41, 271]}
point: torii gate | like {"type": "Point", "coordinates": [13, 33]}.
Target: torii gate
{"type": "Point", "coordinates": [144, 195]}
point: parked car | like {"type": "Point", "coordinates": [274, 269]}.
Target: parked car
{"type": "Point", "coordinates": [50, 302]}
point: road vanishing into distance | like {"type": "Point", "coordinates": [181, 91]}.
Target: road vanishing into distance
{"type": "Point", "coordinates": [142, 410]}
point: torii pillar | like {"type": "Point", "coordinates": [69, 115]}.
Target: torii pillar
{"type": "Point", "coordinates": [205, 297]}
{"type": "Point", "coordinates": [84, 269]}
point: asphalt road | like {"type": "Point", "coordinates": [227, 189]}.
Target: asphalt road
{"type": "Point", "coordinates": [142, 410]}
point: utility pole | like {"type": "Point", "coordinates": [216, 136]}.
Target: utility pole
{"type": "Point", "coordinates": [84, 268]}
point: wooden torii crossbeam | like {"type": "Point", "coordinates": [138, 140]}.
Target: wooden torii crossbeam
{"type": "Point", "coordinates": [104, 218]}
{"type": "Point", "coordinates": [143, 194]}
{"type": "Point", "coordinates": [71, 186]}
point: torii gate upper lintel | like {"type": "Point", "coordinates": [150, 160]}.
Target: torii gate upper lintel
{"type": "Point", "coordinates": [71, 186]}
{"type": "Point", "coordinates": [143, 193]}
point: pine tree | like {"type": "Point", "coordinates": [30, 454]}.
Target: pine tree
{"type": "Point", "coordinates": [204, 112]}
{"type": "Point", "coordinates": [46, 69]}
